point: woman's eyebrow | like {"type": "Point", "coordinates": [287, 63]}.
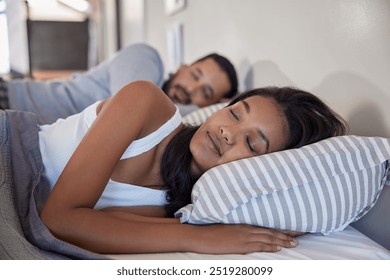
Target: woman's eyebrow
{"type": "Point", "coordinates": [259, 131]}
{"type": "Point", "coordinates": [246, 106]}
{"type": "Point", "coordinates": [264, 138]}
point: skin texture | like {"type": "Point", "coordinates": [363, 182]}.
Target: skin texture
{"type": "Point", "coordinates": [122, 119]}
{"type": "Point", "coordinates": [202, 83]}
{"type": "Point", "coordinates": [254, 126]}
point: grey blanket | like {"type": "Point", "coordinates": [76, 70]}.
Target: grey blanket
{"type": "Point", "coordinates": [23, 190]}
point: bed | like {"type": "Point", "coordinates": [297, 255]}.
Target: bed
{"type": "Point", "coordinates": [349, 244]}
{"type": "Point", "coordinates": [23, 236]}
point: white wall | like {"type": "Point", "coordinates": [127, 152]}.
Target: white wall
{"type": "Point", "coordinates": [4, 47]}
{"type": "Point", "coordinates": [17, 36]}
{"type": "Point", "coordinates": [132, 14]}
{"type": "Point", "coordinates": [338, 49]}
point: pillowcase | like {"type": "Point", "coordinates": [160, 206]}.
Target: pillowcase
{"type": "Point", "coordinates": [200, 116]}
{"type": "Point", "coordinates": [322, 187]}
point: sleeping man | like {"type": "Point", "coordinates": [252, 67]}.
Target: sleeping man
{"type": "Point", "coordinates": [206, 81]}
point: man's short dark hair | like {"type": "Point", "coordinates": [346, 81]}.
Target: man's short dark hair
{"type": "Point", "coordinates": [228, 68]}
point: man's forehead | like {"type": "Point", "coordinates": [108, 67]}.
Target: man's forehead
{"type": "Point", "coordinates": [207, 64]}
{"type": "Point", "coordinates": [211, 70]}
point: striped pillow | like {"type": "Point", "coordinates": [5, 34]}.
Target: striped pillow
{"type": "Point", "coordinates": [321, 187]}
{"type": "Point", "coordinates": [200, 116]}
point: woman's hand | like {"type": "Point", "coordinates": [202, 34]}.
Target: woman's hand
{"type": "Point", "coordinates": [239, 239]}
{"type": "Point", "coordinates": [293, 233]}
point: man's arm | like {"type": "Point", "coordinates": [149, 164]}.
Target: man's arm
{"type": "Point", "coordinates": [61, 98]}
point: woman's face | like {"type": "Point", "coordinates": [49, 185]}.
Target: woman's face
{"type": "Point", "coordinates": [251, 127]}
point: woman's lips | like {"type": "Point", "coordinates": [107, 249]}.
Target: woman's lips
{"type": "Point", "coordinates": [215, 143]}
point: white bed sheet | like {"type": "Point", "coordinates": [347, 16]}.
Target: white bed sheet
{"type": "Point", "coordinates": [349, 244]}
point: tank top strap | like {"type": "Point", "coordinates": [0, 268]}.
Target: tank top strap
{"type": "Point", "coordinates": [146, 143]}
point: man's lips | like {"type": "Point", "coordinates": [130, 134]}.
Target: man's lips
{"type": "Point", "coordinates": [180, 95]}
{"type": "Point", "coordinates": [215, 143]}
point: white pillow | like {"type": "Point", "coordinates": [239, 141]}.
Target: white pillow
{"type": "Point", "coordinates": [321, 187]}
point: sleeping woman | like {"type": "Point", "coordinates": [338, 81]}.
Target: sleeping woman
{"type": "Point", "coordinates": [121, 168]}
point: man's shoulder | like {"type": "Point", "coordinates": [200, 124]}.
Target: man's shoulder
{"type": "Point", "coordinates": [141, 49]}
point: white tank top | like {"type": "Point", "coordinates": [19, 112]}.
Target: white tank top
{"type": "Point", "coordinates": [59, 140]}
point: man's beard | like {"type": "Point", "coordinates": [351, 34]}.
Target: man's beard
{"type": "Point", "coordinates": [167, 87]}
{"type": "Point", "coordinates": [167, 84]}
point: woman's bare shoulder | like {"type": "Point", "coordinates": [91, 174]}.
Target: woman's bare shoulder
{"type": "Point", "coordinates": [142, 102]}
{"type": "Point", "coordinates": [145, 94]}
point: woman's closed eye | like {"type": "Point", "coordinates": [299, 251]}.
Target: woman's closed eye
{"type": "Point", "coordinates": [235, 115]}
{"type": "Point", "coordinates": [250, 147]}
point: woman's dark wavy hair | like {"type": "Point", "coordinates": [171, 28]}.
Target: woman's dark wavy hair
{"type": "Point", "coordinates": [308, 119]}
{"type": "Point", "coordinates": [176, 170]}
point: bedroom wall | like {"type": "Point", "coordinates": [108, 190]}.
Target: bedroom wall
{"type": "Point", "coordinates": [336, 49]}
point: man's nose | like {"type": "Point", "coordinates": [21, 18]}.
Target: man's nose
{"type": "Point", "coordinates": [193, 88]}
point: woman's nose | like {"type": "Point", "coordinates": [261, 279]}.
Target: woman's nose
{"type": "Point", "coordinates": [227, 135]}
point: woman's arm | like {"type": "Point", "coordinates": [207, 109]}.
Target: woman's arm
{"type": "Point", "coordinates": [129, 115]}
{"type": "Point", "coordinates": [147, 214]}
{"type": "Point", "coordinates": [213, 239]}
{"type": "Point", "coordinates": [69, 213]}
{"type": "Point", "coordinates": [146, 211]}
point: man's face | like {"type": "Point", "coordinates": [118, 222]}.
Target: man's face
{"type": "Point", "coordinates": [202, 83]}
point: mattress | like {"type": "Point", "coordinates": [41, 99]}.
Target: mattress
{"type": "Point", "coordinates": [349, 244]}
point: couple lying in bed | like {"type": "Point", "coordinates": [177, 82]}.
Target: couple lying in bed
{"type": "Point", "coordinates": [96, 162]}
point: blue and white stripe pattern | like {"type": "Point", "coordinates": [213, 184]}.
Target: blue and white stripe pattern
{"type": "Point", "coordinates": [321, 187]}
